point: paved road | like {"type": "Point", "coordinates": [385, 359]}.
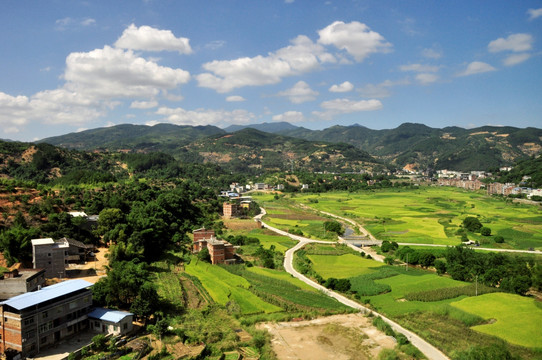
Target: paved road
{"type": "Point", "coordinates": [427, 349]}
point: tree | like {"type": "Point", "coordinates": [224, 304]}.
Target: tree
{"type": "Point", "coordinates": [440, 266]}
{"type": "Point", "coordinates": [204, 255]}
{"type": "Point", "coordinates": [499, 239]}
{"type": "Point", "coordinates": [333, 226]}
{"type": "Point", "coordinates": [485, 231]}
{"type": "Point", "coordinates": [472, 224]}
{"type": "Point", "coordinates": [427, 259]}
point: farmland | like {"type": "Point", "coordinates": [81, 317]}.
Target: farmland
{"type": "Point", "coordinates": [225, 287]}
{"type": "Point", "coordinates": [433, 215]}
{"type": "Point", "coordinates": [440, 309]}
{"type": "Point", "coordinates": [343, 266]}
{"type": "Point", "coordinates": [516, 319]}
{"type": "Point", "coordinates": [289, 216]}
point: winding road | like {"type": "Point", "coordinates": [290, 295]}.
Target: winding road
{"type": "Point", "coordinates": [426, 348]}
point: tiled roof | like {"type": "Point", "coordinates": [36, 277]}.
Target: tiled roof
{"type": "Point", "coordinates": [47, 293]}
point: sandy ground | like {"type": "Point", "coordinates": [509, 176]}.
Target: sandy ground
{"type": "Point", "coordinates": [98, 265]}
{"type": "Point", "coordinates": [338, 337]}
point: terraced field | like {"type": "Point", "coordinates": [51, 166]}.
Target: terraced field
{"type": "Point", "coordinates": [224, 287]}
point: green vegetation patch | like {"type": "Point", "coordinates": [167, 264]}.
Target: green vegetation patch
{"type": "Point", "coordinates": [513, 318]}
{"type": "Point", "coordinates": [450, 292]}
{"type": "Point", "coordinates": [433, 215]}
{"type": "Point", "coordinates": [285, 293]}
{"type": "Point", "coordinates": [225, 287]}
{"type": "Point", "coordinates": [404, 284]}
{"type": "Point", "coordinates": [281, 275]}
{"type": "Point", "coordinates": [343, 266]}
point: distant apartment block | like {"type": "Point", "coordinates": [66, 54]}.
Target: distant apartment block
{"type": "Point", "coordinates": [231, 210]}
{"type": "Point", "coordinates": [50, 255]}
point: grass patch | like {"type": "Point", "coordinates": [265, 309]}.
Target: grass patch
{"type": "Point", "coordinates": [517, 318]}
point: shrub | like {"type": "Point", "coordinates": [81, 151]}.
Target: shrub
{"type": "Point", "coordinates": [499, 239]}
{"type": "Point", "coordinates": [472, 224]}
{"type": "Point", "coordinates": [485, 231]}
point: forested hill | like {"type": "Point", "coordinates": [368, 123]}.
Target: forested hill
{"type": "Point", "coordinates": [414, 146]}
{"type": "Point", "coordinates": [420, 146]}
{"type": "Point", "coordinates": [134, 137]}
{"type": "Point", "coordinates": [251, 149]}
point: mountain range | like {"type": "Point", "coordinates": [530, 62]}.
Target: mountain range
{"type": "Point", "coordinates": [279, 146]}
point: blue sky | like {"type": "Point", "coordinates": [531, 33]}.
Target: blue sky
{"type": "Point", "coordinates": [67, 66]}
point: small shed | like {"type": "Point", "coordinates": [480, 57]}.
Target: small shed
{"type": "Point", "coordinates": [107, 321]}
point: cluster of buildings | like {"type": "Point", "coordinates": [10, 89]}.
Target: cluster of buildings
{"type": "Point", "coordinates": [220, 251]}
{"type": "Point", "coordinates": [34, 321]}
{"type": "Point", "coordinates": [471, 181]}
{"type": "Point", "coordinates": [54, 256]}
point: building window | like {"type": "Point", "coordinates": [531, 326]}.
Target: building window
{"type": "Point", "coordinates": [29, 321]}
{"type": "Point", "coordinates": [48, 254]}
{"type": "Point", "coordinates": [44, 315]}
{"type": "Point", "coordinates": [125, 326]}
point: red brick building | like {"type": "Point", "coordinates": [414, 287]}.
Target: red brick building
{"type": "Point", "coordinates": [220, 251]}
{"type": "Point", "coordinates": [230, 210]}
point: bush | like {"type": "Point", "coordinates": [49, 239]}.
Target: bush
{"type": "Point", "coordinates": [499, 239]}
{"type": "Point", "coordinates": [485, 231]}
{"type": "Point", "coordinates": [98, 342]}
{"type": "Point", "coordinates": [472, 224]}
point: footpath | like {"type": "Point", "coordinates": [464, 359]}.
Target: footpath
{"type": "Point", "coordinates": [430, 351]}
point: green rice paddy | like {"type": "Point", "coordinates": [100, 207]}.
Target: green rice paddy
{"type": "Point", "coordinates": [432, 215]}
{"type": "Point", "coordinates": [517, 319]}
{"type": "Point", "coordinates": [341, 267]}
{"type": "Point", "coordinates": [224, 287]}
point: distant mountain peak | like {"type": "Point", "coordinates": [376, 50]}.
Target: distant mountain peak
{"type": "Point", "coordinates": [273, 127]}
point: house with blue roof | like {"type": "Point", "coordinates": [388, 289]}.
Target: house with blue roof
{"type": "Point", "coordinates": [37, 320]}
{"type": "Point", "coordinates": [107, 321]}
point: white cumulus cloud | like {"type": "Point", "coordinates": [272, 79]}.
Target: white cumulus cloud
{"type": "Point", "coordinates": [476, 67]}
{"type": "Point", "coordinates": [301, 92]}
{"type": "Point", "coordinates": [116, 73]}
{"type": "Point", "coordinates": [419, 68]}
{"type": "Point", "coordinates": [426, 78]}
{"type": "Point", "coordinates": [235, 98]}
{"type": "Point", "coordinates": [289, 116]}
{"type": "Point", "coordinates": [515, 59]}
{"type": "Point", "coordinates": [180, 116]}
{"type": "Point", "coordinates": [355, 38]}
{"type": "Point", "coordinates": [514, 42]}
{"type": "Point", "coordinates": [143, 104]}
{"type": "Point", "coordinates": [302, 56]}
{"type": "Point", "coordinates": [147, 38]}
{"type": "Point", "coordinates": [534, 13]}
{"type": "Point", "coordinates": [346, 106]}
{"type": "Point", "coordinates": [341, 88]}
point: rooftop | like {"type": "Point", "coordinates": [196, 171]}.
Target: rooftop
{"type": "Point", "coordinates": [114, 316]}
{"type": "Point", "coordinates": [47, 241]}
{"type": "Point", "coordinates": [47, 293]}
